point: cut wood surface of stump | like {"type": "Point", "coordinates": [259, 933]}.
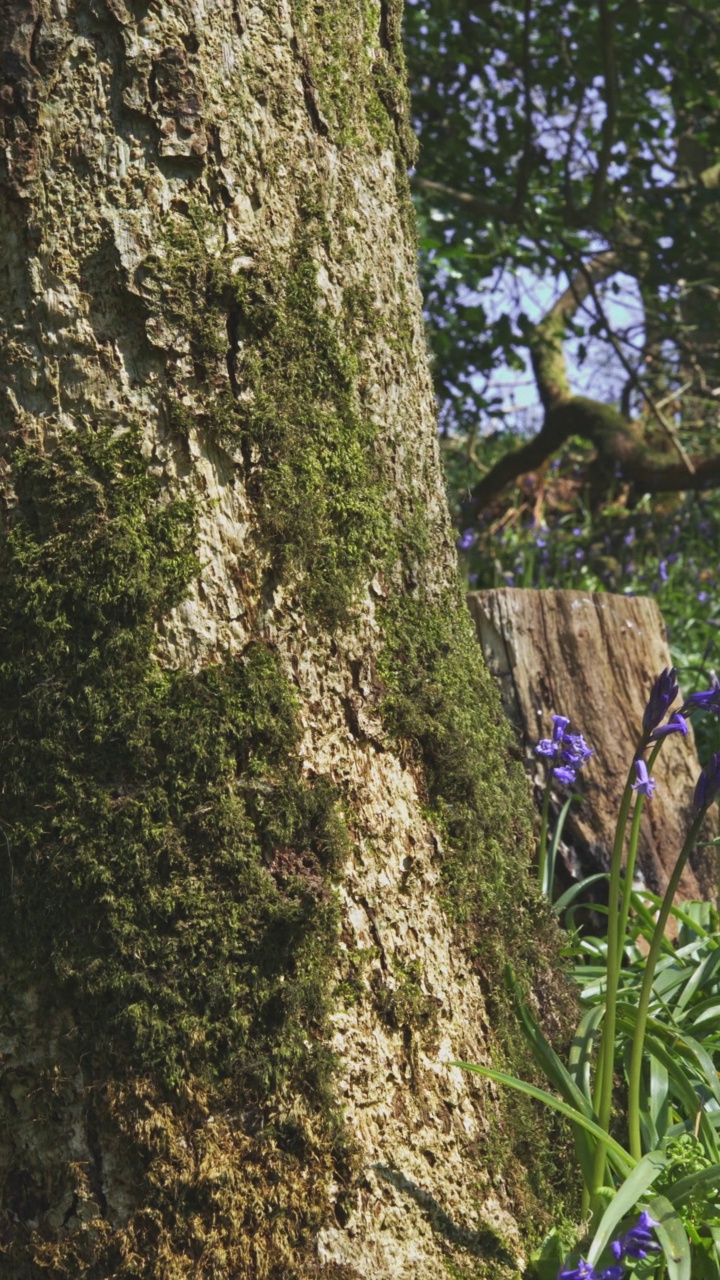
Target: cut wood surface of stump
{"type": "Point", "coordinates": [593, 657]}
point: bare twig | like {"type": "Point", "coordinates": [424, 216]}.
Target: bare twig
{"type": "Point", "coordinates": [487, 208]}
{"type": "Point", "coordinates": [525, 164]}
{"type": "Point", "coordinates": [637, 382]}
{"type": "Point", "coordinates": [607, 40]}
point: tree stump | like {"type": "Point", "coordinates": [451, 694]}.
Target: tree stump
{"type": "Point", "coordinates": [594, 657]}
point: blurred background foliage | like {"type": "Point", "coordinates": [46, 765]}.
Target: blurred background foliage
{"type": "Point", "coordinates": [571, 152]}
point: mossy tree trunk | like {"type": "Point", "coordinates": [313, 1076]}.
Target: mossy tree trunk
{"type": "Point", "coordinates": [265, 840]}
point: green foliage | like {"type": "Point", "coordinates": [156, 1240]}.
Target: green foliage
{"type": "Point", "coordinates": [656, 1018]}
{"type": "Point", "coordinates": [566, 128]}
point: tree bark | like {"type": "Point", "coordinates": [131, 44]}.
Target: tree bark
{"type": "Point", "coordinates": [265, 833]}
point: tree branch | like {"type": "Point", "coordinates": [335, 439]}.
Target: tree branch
{"type": "Point", "coordinates": [525, 164]}
{"type": "Point", "coordinates": [617, 348]}
{"type": "Point", "coordinates": [619, 443]}
{"type": "Point", "coordinates": [486, 208]}
{"type": "Point", "coordinates": [607, 40]}
{"type": "Point", "coordinates": [546, 343]}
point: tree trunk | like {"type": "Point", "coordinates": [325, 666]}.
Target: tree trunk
{"type": "Point", "coordinates": [265, 833]}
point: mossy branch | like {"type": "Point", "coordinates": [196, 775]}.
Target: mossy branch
{"type": "Point", "coordinates": [619, 441]}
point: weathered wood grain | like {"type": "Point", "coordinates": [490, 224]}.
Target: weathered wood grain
{"type": "Point", "coordinates": [594, 657]}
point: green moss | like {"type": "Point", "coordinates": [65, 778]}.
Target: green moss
{"type": "Point", "coordinates": [354, 65]}
{"type": "Point", "coordinates": [171, 867]}
{"type": "Point", "coordinates": [290, 409]}
{"type": "Point", "coordinates": [317, 481]}
{"type": "Point", "coordinates": [442, 704]}
{"type": "Point", "coordinates": [405, 1004]}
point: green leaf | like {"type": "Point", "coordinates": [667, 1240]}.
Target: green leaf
{"type": "Point", "coordinates": [581, 1049]}
{"type": "Point", "coordinates": [701, 975]}
{"type": "Point", "coordinates": [673, 1238]}
{"type": "Point", "coordinates": [681, 1190]}
{"type": "Point", "coordinates": [573, 892]}
{"type": "Point", "coordinates": [552, 852]}
{"type": "Point", "coordinates": [548, 1259]}
{"type": "Point", "coordinates": [625, 1200]}
{"type": "Point", "coordinates": [623, 1157]}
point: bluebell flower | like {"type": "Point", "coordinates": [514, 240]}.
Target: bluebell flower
{"type": "Point", "coordinates": [570, 750]}
{"type": "Point", "coordinates": [583, 1271]}
{"type": "Point", "coordinates": [644, 785]}
{"type": "Point", "coordinates": [676, 724]}
{"type": "Point", "coordinates": [466, 540]}
{"type": "Point", "coordinates": [637, 1242]}
{"type": "Point", "coordinates": [662, 695]}
{"type": "Point", "coordinates": [560, 724]}
{"type": "Point", "coordinates": [705, 699]}
{"type": "Point", "coordinates": [708, 784]}
{"type": "Point", "coordinates": [629, 537]}
{"type": "Point", "coordinates": [564, 774]}
{"type": "Point", "coordinates": [575, 750]}
{"type": "Point", "coordinates": [662, 570]}
{"type": "Point", "coordinates": [702, 597]}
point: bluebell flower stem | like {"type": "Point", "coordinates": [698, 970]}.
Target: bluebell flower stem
{"type": "Point", "coordinates": [602, 1098]}
{"type": "Point", "coordinates": [631, 856]}
{"type": "Point", "coordinates": [641, 1016]}
{"type": "Point", "coordinates": [542, 846]}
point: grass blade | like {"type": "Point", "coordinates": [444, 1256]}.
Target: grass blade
{"type": "Point", "coordinates": [623, 1157]}
{"type": "Point", "coordinates": [625, 1200]}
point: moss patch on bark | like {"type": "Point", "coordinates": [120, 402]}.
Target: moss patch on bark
{"type": "Point", "coordinates": [442, 704]}
{"type": "Point", "coordinates": [286, 403]}
{"type": "Point", "coordinates": [170, 873]}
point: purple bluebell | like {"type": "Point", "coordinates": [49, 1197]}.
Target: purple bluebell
{"type": "Point", "coordinates": [564, 774]}
{"type": "Point", "coordinates": [583, 1271]}
{"type": "Point", "coordinates": [644, 785]}
{"type": "Point", "coordinates": [637, 1242]}
{"type": "Point", "coordinates": [702, 597]}
{"type": "Point", "coordinates": [466, 540]}
{"type": "Point", "coordinates": [705, 699]}
{"type": "Point", "coordinates": [676, 724]}
{"type": "Point", "coordinates": [708, 784]}
{"type": "Point", "coordinates": [575, 750]}
{"type": "Point", "coordinates": [570, 750]}
{"type": "Point", "coordinates": [662, 570]}
{"type": "Point", "coordinates": [662, 695]}
{"type": "Point", "coordinates": [629, 537]}
{"type": "Point", "coordinates": [560, 724]}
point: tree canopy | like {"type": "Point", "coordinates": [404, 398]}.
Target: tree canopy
{"type": "Point", "coordinates": [571, 150]}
